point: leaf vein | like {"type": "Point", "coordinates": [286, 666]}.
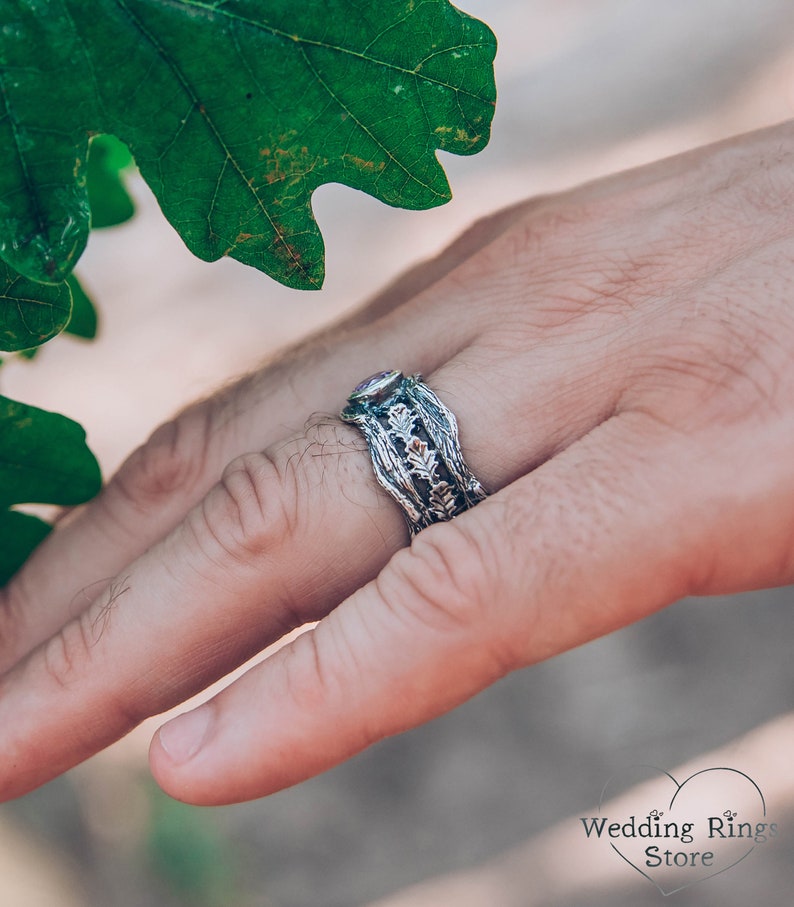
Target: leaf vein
{"type": "Point", "coordinates": [184, 82]}
{"type": "Point", "coordinates": [296, 39]}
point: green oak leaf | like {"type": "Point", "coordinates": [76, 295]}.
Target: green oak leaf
{"type": "Point", "coordinates": [30, 313]}
{"type": "Point", "coordinates": [83, 322]}
{"type": "Point", "coordinates": [43, 458]}
{"type": "Point", "coordinates": [20, 533]}
{"type": "Point", "coordinates": [235, 111]}
{"type": "Point", "coordinates": [110, 204]}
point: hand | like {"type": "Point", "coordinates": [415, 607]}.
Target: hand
{"type": "Point", "coordinates": [620, 360]}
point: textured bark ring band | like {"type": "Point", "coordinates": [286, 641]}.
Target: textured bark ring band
{"type": "Point", "coordinates": [414, 446]}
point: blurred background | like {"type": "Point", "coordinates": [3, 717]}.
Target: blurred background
{"type": "Point", "coordinates": [472, 809]}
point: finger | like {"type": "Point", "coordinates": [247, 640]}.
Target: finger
{"type": "Point", "coordinates": [600, 536]}
{"type": "Point", "coordinates": [250, 562]}
{"type": "Point", "coordinates": [183, 459]}
{"type": "Point", "coordinates": [190, 586]}
{"type": "Point", "coordinates": [165, 477]}
{"type": "Point", "coordinates": [175, 469]}
{"type": "Point", "coordinates": [178, 465]}
{"type": "Point", "coordinates": [285, 536]}
{"type": "Point", "coordinates": [162, 480]}
{"type": "Point", "coordinates": [539, 567]}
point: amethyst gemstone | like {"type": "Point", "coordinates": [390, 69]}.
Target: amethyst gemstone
{"type": "Point", "coordinates": [377, 387]}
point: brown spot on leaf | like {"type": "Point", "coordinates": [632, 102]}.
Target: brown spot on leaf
{"type": "Point", "coordinates": [363, 164]}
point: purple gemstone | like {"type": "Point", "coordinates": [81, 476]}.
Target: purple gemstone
{"type": "Point", "coordinates": [377, 387]}
{"type": "Point", "coordinates": [372, 380]}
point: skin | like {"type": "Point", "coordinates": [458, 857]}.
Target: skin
{"type": "Point", "coordinates": [621, 362]}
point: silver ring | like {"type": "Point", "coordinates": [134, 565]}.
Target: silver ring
{"type": "Point", "coordinates": [414, 445]}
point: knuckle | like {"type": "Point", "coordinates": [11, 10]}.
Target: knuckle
{"type": "Point", "coordinates": [448, 582]}
{"type": "Point", "coordinates": [254, 509]}
{"type": "Point", "coordinates": [731, 366]}
{"type": "Point", "coordinates": [605, 285]}
{"type": "Point", "coordinates": [587, 266]}
{"type": "Point", "coordinates": [265, 500]}
{"type": "Point", "coordinates": [441, 580]}
{"type": "Point", "coordinates": [172, 460]}
{"type": "Point", "coordinates": [316, 678]}
{"type": "Point", "coordinates": [70, 660]}
{"type": "Point", "coordinates": [305, 680]}
{"type": "Point", "coordinates": [68, 654]}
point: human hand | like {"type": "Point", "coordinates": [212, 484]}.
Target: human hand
{"type": "Point", "coordinates": [620, 362]}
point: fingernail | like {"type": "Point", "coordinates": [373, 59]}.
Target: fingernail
{"type": "Point", "coordinates": [183, 736]}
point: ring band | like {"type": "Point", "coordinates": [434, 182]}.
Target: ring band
{"type": "Point", "coordinates": [413, 442]}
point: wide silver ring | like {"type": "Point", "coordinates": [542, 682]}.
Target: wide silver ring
{"type": "Point", "coordinates": [415, 449]}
